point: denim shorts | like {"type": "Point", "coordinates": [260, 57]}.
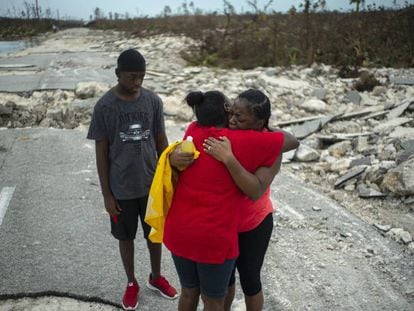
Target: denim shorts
{"type": "Point", "coordinates": [212, 279]}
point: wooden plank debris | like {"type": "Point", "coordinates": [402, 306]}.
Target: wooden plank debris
{"type": "Point", "coordinates": [295, 121]}
{"type": "Point", "coordinates": [354, 114]}
{"type": "Point", "coordinates": [156, 73]}
{"type": "Point", "coordinates": [336, 137]}
{"type": "Point", "coordinates": [351, 174]}
{"type": "Point", "coordinates": [375, 114]}
{"type": "Point", "coordinates": [307, 128]}
{"type": "Point", "coordinates": [18, 67]}
{"type": "Point", "coordinates": [399, 110]}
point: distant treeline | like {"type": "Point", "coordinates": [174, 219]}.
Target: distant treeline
{"type": "Point", "coordinates": [19, 28]}
{"type": "Point", "coordinates": [372, 38]}
{"type": "Point", "coordinates": [349, 40]}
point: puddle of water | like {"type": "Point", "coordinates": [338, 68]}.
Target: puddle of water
{"type": "Point", "coordinates": [13, 46]}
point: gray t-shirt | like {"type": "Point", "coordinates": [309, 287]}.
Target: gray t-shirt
{"type": "Point", "coordinates": [131, 128]}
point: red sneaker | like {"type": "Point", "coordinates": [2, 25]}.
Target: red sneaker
{"type": "Point", "coordinates": [130, 300]}
{"type": "Point", "coordinates": [161, 285]}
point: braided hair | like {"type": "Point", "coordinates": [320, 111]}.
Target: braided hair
{"type": "Point", "coordinates": [259, 105]}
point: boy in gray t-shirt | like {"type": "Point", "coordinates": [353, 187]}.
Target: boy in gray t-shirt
{"type": "Point", "coordinates": [129, 132]}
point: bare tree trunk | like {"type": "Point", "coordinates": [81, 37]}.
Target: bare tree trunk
{"type": "Point", "coordinates": [37, 10]}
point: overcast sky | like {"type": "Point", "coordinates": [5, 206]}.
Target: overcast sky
{"type": "Point", "coordinates": [83, 9]}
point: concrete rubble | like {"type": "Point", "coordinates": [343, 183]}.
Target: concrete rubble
{"type": "Point", "coordinates": [358, 143]}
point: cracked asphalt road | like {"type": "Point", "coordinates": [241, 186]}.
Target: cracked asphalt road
{"type": "Point", "coordinates": [55, 237]}
{"type": "Point", "coordinates": [55, 240]}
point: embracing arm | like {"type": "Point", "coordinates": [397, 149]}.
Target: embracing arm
{"type": "Point", "coordinates": [290, 142]}
{"type": "Point", "coordinates": [252, 185]}
{"type": "Point", "coordinates": [181, 160]}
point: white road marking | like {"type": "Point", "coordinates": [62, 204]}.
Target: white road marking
{"type": "Point", "coordinates": [285, 208]}
{"type": "Point", "coordinates": [5, 197]}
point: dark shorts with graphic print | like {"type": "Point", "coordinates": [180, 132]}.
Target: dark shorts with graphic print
{"type": "Point", "coordinates": [126, 226]}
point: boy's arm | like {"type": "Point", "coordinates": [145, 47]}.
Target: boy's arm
{"type": "Point", "coordinates": [102, 165]}
{"type": "Point", "coordinates": [161, 142]}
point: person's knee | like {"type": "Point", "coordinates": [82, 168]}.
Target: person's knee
{"type": "Point", "coordinates": [228, 300]}
{"type": "Point", "coordinates": [251, 286]}
{"type": "Point", "coordinates": [153, 245]}
{"type": "Point", "coordinates": [212, 303]}
{"type": "Point", "coordinates": [189, 298]}
{"type": "Point", "coordinates": [252, 290]}
{"type": "Point", "coordinates": [189, 293]}
{"type": "Point", "coordinates": [126, 243]}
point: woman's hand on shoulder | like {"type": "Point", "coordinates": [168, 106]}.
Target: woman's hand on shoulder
{"type": "Point", "coordinates": [220, 149]}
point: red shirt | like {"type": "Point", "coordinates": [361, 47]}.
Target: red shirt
{"type": "Point", "coordinates": [202, 223]}
{"type": "Point", "coordinates": [252, 213]}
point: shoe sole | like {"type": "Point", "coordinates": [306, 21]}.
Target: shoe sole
{"type": "Point", "coordinates": [162, 294]}
{"type": "Point", "coordinates": [130, 308]}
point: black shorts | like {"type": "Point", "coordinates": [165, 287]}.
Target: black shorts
{"type": "Point", "coordinates": [127, 224]}
{"type": "Point", "coordinates": [253, 245]}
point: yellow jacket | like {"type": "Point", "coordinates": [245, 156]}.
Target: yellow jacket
{"type": "Point", "coordinates": [161, 194]}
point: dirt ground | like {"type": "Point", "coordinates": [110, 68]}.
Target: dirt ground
{"type": "Point", "coordinates": [317, 260]}
{"type": "Point", "coordinates": [383, 211]}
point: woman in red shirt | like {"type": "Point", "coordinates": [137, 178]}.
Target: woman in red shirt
{"type": "Point", "coordinates": [202, 225]}
{"type": "Point", "coordinates": [251, 110]}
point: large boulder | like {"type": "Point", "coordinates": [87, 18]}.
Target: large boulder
{"type": "Point", "coordinates": [400, 180]}
{"type": "Point", "coordinates": [85, 90]}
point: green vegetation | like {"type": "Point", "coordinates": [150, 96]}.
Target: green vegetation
{"type": "Point", "coordinates": [373, 36]}
{"type": "Point", "coordinates": [17, 28]}
{"type": "Point", "coordinates": [376, 37]}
